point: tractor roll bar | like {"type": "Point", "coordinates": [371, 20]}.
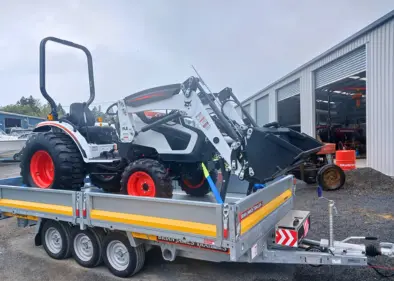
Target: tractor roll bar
{"type": "Point", "coordinates": [42, 71]}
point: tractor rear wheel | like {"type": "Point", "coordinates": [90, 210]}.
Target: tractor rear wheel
{"type": "Point", "coordinates": [195, 184]}
{"type": "Point", "coordinates": [52, 160]}
{"type": "Point", "coordinates": [146, 177]}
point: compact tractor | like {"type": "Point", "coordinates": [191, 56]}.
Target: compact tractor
{"type": "Point", "coordinates": [144, 154]}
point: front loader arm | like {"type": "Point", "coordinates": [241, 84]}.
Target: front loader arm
{"type": "Point", "coordinates": [191, 105]}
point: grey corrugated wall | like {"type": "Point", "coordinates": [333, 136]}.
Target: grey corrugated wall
{"type": "Point", "coordinates": [380, 93]}
{"type": "Point", "coordinates": [380, 99]}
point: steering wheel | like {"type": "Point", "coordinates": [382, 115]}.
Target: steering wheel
{"type": "Point", "coordinates": [109, 109]}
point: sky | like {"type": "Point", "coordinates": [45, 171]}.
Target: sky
{"type": "Point", "coordinates": [139, 44]}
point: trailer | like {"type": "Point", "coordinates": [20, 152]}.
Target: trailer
{"type": "Point", "coordinates": [95, 227]}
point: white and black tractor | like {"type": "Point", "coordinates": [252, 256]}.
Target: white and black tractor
{"type": "Point", "coordinates": [145, 153]}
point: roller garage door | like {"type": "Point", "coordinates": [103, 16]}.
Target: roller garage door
{"type": "Point", "coordinates": [289, 90]}
{"type": "Point", "coordinates": [343, 67]}
{"type": "Point", "coordinates": [262, 110]}
{"type": "Point", "coordinates": [288, 105]}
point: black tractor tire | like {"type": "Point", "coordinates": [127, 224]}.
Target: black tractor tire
{"type": "Point", "coordinates": [195, 183]}
{"type": "Point", "coordinates": [66, 164]}
{"type": "Point", "coordinates": [106, 183]}
{"type": "Point", "coordinates": [331, 177]}
{"type": "Point", "coordinates": [157, 180]}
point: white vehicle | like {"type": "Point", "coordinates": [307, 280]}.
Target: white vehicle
{"type": "Point", "coordinates": [162, 134]}
{"type": "Point", "coordinates": [10, 145]}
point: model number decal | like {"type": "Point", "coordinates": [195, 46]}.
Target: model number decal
{"type": "Point", "coordinates": [192, 244]}
{"type": "Point", "coordinates": [251, 210]}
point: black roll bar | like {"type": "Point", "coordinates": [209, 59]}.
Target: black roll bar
{"type": "Point", "coordinates": [43, 72]}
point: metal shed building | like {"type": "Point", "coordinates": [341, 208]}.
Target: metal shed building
{"type": "Point", "coordinates": [366, 58]}
{"type": "Point", "coordinates": [9, 120]}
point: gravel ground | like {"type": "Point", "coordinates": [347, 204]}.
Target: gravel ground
{"type": "Point", "coordinates": [364, 209]}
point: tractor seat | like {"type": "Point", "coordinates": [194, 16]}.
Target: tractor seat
{"type": "Point", "coordinates": [93, 134]}
{"type": "Point", "coordinates": [77, 117]}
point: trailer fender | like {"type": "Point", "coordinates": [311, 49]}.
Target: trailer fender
{"type": "Point", "coordinates": [134, 238]}
{"type": "Point", "coordinates": [78, 139]}
{"type": "Point", "coordinates": [37, 237]}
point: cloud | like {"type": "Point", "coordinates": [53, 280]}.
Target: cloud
{"type": "Point", "coordinates": [140, 44]}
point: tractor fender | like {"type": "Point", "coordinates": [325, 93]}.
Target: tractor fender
{"type": "Point", "coordinates": [78, 139]}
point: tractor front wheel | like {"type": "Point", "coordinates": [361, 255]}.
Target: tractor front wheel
{"type": "Point", "coordinates": [52, 160]}
{"type": "Point", "coordinates": [194, 182]}
{"type": "Point", "coordinates": [146, 177]}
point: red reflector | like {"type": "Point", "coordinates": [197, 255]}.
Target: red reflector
{"type": "Point", "coordinates": [84, 213]}
{"type": "Point", "coordinates": [209, 242]}
{"type": "Point", "coordinates": [225, 233]}
{"type": "Point", "coordinates": [77, 212]}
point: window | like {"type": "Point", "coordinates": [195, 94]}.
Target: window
{"type": "Point", "coordinates": [12, 122]}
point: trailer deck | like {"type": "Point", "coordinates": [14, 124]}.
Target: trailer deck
{"type": "Point", "coordinates": [243, 229]}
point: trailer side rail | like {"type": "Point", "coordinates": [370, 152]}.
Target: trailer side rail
{"type": "Point", "coordinates": [188, 220]}
{"type": "Point", "coordinates": [39, 203]}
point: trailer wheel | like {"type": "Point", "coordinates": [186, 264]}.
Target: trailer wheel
{"type": "Point", "coordinates": [86, 247]}
{"type": "Point", "coordinates": [52, 160]}
{"type": "Point", "coordinates": [120, 257]}
{"type": "Point", "coordinates": [195, 183]}
{"type": "Point", "coordinates": [146, 177]}
{"type": "Point", "coordinates": [55, 238]}
{"type": "Point", "coordinates": [331, 177]}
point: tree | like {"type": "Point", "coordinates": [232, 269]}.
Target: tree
{"type": "Point", "coordinates": [32, 107]}
{"type": "Point", "coordinates": [32, 103]}
{"type": "Point", "coordinates": [60, 110]}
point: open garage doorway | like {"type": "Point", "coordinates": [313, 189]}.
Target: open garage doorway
{"type": "Point", "coordinates": [341, 113]}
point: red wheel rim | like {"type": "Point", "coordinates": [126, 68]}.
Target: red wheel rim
{"type": "Point", "coordinates": [190, 185]}
{"type": "Point", "coordinates": [141, 184]}
{"type": "Point", "coordinates": [42, 169]}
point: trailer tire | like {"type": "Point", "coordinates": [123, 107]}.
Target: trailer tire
{"type": "Point", "coordinates": [55, 238]}
{"type": "Point", "coordinates": [84, 256]}
{"type": "Point", "coordinates": [52, 160]}
{"type": "Point", "coordinates": [196, 184]}
{"type": "Point", "coordinates": [120, 257]}
{"type": "Point", "coordinates": [146, 177]}
{"type": "Point", "coordinates": [67, 230]}
{"type": "Point", "coordinates": [100, 235]}
{"type": "Point", "coordinates": [331, 177]}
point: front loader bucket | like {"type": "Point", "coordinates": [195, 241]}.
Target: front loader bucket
{"type": "Point", "coordinates": [274, 151]}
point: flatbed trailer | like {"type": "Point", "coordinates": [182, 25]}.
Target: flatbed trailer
{"type": "Point", "coordinates": [93, 226]}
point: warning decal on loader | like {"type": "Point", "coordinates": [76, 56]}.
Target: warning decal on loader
{"type": "Point", "coordinates": [203, 121]}
{"type": "Point", "coordinates": [192, 244]}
